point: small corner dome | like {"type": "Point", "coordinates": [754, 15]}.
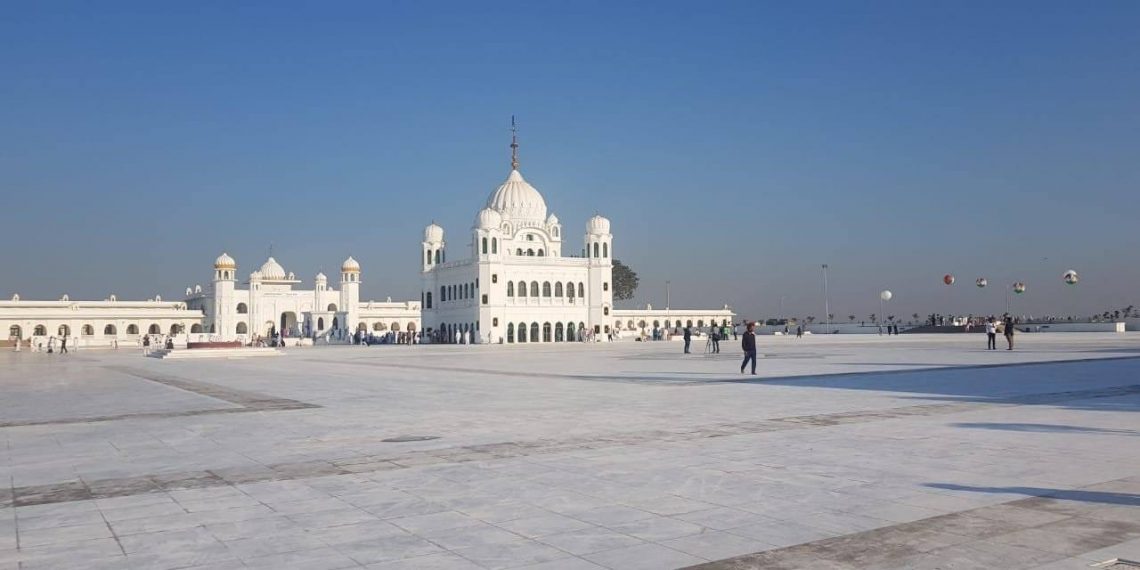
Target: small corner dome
{"type": "Point", "coordinates": [271, 270]}
{"type": "Point", "coordinates": [551, 219]}
{"type": "Point", "coordinates": [350, 265]}
{"type": "Point", "coordinates": [321, 277]}
{"type": "Point", "coordinates": [488, 219]}
{"type": "Point", "coordinates": [224, 261]}
{"type": "Point", "coordinates": [255, 276]}
{"type": "Point", "coordinates": [598, 225]}
{"type": "Point", "coordinates": [433, 232]}
{"type": "Point", "coordinates": [518, 199]}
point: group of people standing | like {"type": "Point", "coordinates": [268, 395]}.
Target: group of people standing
{"type": "Point", "coordinates": [1005, 326]}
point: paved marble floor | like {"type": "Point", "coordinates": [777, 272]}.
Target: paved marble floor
{"type": "Point", "coordinates": [844, 452]}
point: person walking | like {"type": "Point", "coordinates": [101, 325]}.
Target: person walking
{"type": "Point", "coordinates": [715, 340]}
{"type": "Point", "coordinates": [63, 345]}
{"type": "Point", "coordinates": [799, 331]}
{"type": "Point", "coordinates": [991, 334]}
{"type": "Point", "coordinates": [1009, 331]}
{"type": "Point", "coordinates": [749, 345]}
{"type": "Point", "coordinates": [688, 338]}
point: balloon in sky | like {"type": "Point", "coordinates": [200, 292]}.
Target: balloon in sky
{"type": "Point", "coordinates": [982, 282]}
{"type": "Point", "coordinates": [1019, 287]}
{"type": "Point", "coordinates": [948, 279]}
{"type": "Point", "coordinates": [1071, 277]}
{"type": "Point", "coordinates": [886, 295]}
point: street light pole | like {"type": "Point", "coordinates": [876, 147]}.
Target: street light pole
{"type": "Point", "coordinates": [666, 295]}
{"type": "Point", "coordinates": [826, 302]}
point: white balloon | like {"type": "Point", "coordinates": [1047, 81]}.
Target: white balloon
{"type": "Point", "coordinates": [886, 295]}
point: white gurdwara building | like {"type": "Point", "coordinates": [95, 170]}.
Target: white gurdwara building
{"type": "Point", "coordinates": [517, 286]}
{"type": "Point", "coordinates": [272, 305]}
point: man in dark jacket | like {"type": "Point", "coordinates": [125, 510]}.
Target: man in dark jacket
{"type": "Point", "coordinates": [688, 338]}
{"type": "Point", "coordinates": [749, 345]}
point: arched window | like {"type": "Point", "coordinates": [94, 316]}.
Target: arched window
{"type": "Point", "coordinates": [175, 329]}
{"type": "Point", "coordinates": [395, 326]}
{"type": "Point", "coordinates": [510, 332]}
{"type": "Point", "coordinates": [427, 257]}
{"type": "Point", "coordinates": [545, 288]}
{"type": "Point", "coordinates": [518, 251]}
{"type": "Point", "coordinates": [605, 250]}
{"type": "Point", "coordinates": [195, 328]}
{"type": "Point", "coordinates": [109, 330]}
{"type": "Point", "coordinates": [569, 290]}
{"type": "Point", "coordinates": [332, 307]}
{"type": "Point", "coordinates": [545, 332]}
{"type": "Point", "coordinates": [558, 332]}
{"type": "Point", "coordinates": [530, 253]}
{"type": "Point", "coordinates": [484, 246]}
{"type": "Point", "coordinates": [154, 329]}
{"type": "Point", "coordinates": [242, 329]}
{"type": "Point", "coordinates": [438, 255]}
{"type": "Point", "coordinates": [522, 288]}
{"type": "Point", "coordinates": [510, 288]}
{"type": "Point", "coordinates": [377, 327]}
{"type": "Point", "coordinates": [534, 332]}
{"type": "Point", "coordinates": [64, 330]}
{"type": "Point", "coordinates": [688, 322]}
{"type": "Point", "coordinates": [606, 312]}
{"type": "Point", "coordinates": [582, 290]}
{"type": "Point", "coordinates": [656, 324]}
{"type": "Point", "coordinates": [321, 322]}
{"type": "Point", "coordinates": [242, 309]}
{"type": "Point", "coordinates": [427, 300]}
{"type": "Point", "coordinates": [678, 323]}
{"type": "Point", "coordinates": [442, 294]}
{"type": "Point", "coordinates": [494, 245]}
{"type": "Point", "coordinates": [541, 253]}
{"type": "Point", "coordinates": [534, 288]}
{"type": "Point", "coordinates": [558, 289]}
{"type": "Point", "coordinates": [522, 332]}
{"type": "Point", "coordinates": [596, 250]}
{"type": "Point", "coordinates": [641, 324]}
{"type": "Point", "coordinates": [40, 330]}
{"type": "Point", "coordinates": [701, 324]}
{"type": "Point", "coordinates": [88, 330]}
{"type": "Point", "coordinates": [132, 329]}
{"type": "Point", "coordinates": [15, 332]}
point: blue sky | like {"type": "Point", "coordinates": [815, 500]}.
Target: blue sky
{"type": "Point", "coordinates": [735, 146]}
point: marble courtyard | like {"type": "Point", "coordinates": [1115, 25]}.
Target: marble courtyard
{"type": "Point", "coordinates": [907, 452]}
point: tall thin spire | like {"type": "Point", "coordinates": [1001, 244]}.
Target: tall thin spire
{"type": "Point", "coordinates": [514, 145]}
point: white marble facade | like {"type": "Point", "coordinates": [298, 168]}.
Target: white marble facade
{"type": "Point", "coordinates": [274, 303]}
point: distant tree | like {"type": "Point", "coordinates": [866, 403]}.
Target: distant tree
{"type": "Point", "coordinates": [831, 317]}
{"type": "Point", "coordinates": [810, 320]}
{"type": "Point", "coordinates": [891, 318]}
{"type": "Point", "coordinates": [874, 318]}
{"type": "Point", "coordinates": [916, 317]}
{"type": "Point", "coordinates": [851, 318]}
{"type": "Point", "coordinates": [625, 281]}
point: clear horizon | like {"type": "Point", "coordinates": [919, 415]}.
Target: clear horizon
{"type": "Point", "coordinates": [736, 148]}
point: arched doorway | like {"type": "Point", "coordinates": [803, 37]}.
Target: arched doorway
{"type": "Point", "coordinates": [242, 329]}
{"type": "Point", "coordinates": [320, 324]}
{"type": "Point", "coordinates": [510, 332]}
{"type": "Point", "coordinates": [154, 329]}
{"type": "Point", "coordinates": [522, 332]}
{"type": "Point", "coordinates": [546, 332]}
{"type": "Point", "coordinates": [559, 330]}
{"type": "Point", "coordinates": [534, 332]}
{"type": "Point", "coordinates": [289, 323]}
{"type": "Point", "coordinates": [16, 332]}
{"type": "Point", "coordinates": [196, 328]}
{"type": "Point", "coordinates": [64, 330]}
{"type": "Point", "coordinates": [109, 330]}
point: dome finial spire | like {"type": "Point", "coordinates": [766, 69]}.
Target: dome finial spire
{"type": "Point", "coordinates": [514, 145]}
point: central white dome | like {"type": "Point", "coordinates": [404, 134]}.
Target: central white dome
{"type": "Point", "coordinates": [272, 271]}
{"type": "Point", "coordinates": [518, 199]}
